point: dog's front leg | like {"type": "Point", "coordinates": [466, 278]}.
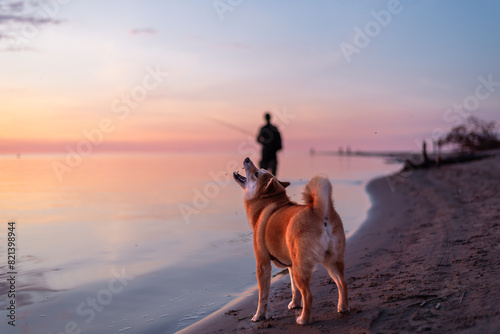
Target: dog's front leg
{"type": "Point", "coordinates": [296, 296]}
{"type": "Point", "coordinates": [264, 279]}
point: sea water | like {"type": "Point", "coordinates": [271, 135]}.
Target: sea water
{"type": "Point", "coordinates": [143, 242]}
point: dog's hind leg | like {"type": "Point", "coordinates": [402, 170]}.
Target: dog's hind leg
{"type": "Point", "coordinates": [336, 270]}
{"type": "Point", "coordinates": [302, 278]}
{"type": "Point", "coordinates": [296, 296]}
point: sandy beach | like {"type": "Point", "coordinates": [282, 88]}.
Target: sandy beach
{"type": "Point", "coordinates": [426, 260]}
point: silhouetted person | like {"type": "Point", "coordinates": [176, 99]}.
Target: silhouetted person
{"type": "Point", "coordinates": [424, 153]}
{"type": "Point", "coordinates": [270, 138]}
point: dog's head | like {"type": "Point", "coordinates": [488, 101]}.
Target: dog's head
{"type": "Point", "coordinates": [258, 182]}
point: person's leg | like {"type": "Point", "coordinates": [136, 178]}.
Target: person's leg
{"type": "Point", "coordinates": [273, 166]}
{"type": "Point", "coordinates": [264, 164]}
{"type": "Point", "coordinates": [270, 165]}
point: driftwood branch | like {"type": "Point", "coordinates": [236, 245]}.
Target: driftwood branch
{"type": "Point", "coordinates": [462, 299]}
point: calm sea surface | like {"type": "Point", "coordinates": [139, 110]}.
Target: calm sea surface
{"type": "Point", "coordinates": [142, 243]}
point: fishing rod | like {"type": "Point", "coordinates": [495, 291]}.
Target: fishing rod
{"type": "Point", "coordinates": [229, 125]}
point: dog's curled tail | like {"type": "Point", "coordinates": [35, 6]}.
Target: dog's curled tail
{"type": "Point", "coordinates": [318, 192]}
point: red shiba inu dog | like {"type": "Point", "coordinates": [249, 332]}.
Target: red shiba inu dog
{"type": "Point", "coordinates": [294, 236]}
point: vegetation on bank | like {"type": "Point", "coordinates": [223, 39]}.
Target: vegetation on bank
{"type": "Point", "coordinates": [472, 136]}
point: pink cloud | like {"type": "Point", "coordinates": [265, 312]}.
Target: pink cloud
{"type": "Point", "coordinates": [234, 45]}
{"type": "Point", "coordinates": [141, 31]}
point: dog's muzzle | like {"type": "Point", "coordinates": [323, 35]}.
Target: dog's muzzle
{"type": "Point", "coordinates": [240, 178]}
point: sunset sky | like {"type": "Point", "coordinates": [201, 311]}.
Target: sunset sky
{"type": "Point", "coordinates": [184, 75]}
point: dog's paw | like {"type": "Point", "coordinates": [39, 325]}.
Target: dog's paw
{"type": "Point", "coordinates": [258, 317]}
{"type": "Point", "coordinates": [302, 321]}
{"type": "Point", "coordinates": [343, 311]}
{"type": "Point", "coordinates": [293, 305]}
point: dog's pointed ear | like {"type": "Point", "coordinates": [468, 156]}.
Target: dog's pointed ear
{"type": "Point", "coordinates": [273, 184]}
{"type": "Point", "coordinates": [270, 186]}
{"type": "Point", "coordinates": [284, 183]}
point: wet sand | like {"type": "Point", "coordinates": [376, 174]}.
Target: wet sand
{"type": "Point", "coordinates": [426, 260]}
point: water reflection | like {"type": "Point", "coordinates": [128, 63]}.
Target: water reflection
{"type": "Point", "coordinates": [117, 210]}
